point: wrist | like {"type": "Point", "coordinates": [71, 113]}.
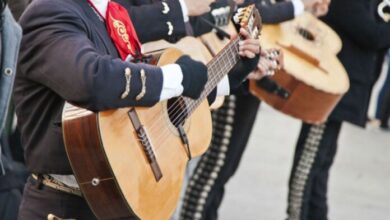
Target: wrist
{"type": "Point", "coordinates": [172, 81]}
{"type": "Point", "coordinates": [194, 76]}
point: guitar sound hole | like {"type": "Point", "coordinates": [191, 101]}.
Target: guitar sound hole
{"type": "Point", "coordinates": [177, 111]}
{"type": "Point", "coordinates": [306, 34]}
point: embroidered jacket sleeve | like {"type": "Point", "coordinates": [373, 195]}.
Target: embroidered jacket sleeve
{"type": "Point", "coordinates": [155, 21]}
{"type": "Point", "coordinates": [57, 53]}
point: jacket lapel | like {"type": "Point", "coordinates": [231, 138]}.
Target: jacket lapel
{"type": "Point", "coordinates": [98, 27]}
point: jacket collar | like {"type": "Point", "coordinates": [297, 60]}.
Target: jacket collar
{"type": "Point", "coordinates": [98, 25]}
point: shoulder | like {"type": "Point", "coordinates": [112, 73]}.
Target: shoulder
{"type": "Point", "coordinates": [51, 9]}
{"type": "Point", "coordinates": [44, 12]}
{"type": "Point", "coordinates": [50, 5]}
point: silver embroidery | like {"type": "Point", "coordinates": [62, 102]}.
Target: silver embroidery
{"type": "Point", "coordinates": [301, 174]}
{"type": "Point", "coordinates": [166, 8]}
{"type": "Point", "coordinates": [210, 164]}
{"type": "Point", "coordinates": [127, 74]}
{"type": "Point", "coordinates": [170, 28]}
{"type": "Point", "coordinates": [143, 89]}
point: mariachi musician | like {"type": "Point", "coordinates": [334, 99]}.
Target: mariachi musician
{"type": "Point", "coordinates": [365, 37]}
{"type": "Point", "coordinates": [71, 52]}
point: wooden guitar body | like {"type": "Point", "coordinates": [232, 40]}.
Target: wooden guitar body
{"type": "Point", "coordinates": [312, 75]}
{"type": "Point", "coordinates": [112, 166]}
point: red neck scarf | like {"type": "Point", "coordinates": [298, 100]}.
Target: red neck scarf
{"type": "Point", "coordinates": [121, 30]}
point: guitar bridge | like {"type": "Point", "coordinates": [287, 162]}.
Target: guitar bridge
{"type": "Point", "coordinates": [146, 144]}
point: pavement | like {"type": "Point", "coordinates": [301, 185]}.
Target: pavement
{"type": "Point", "coordinates": [359, 187]}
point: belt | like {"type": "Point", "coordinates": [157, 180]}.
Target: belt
{"type": "Point", "coordinates": [49, 181]}
{"type": "Point", "coordinates": [53, 217]}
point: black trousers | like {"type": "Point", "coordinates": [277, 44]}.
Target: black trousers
{"type": "Point", "coordinates": [232, 125]}
{"type": "Point", "coordinates": [314, 155]}
{"type": "Point", "coordinates": [39, 202]}
{"type": "Point", "coordinates": [385, 110]}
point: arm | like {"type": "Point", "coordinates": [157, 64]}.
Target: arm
{"type": "Point", "coordinates": [219, 16]}
{"type": "Point", "coordinates": [276, 13]}
{"type": "Point", "coordinates": [201, 27]}
{"type": "Point", "coordinates": [56, 52]}
{"type": "Point", "coordinates": [358, 22]}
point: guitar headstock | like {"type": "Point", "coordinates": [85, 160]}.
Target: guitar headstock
{"type": "Point", "coordinates": [250, 19]}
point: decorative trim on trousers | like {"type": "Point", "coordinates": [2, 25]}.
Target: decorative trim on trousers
{"type": "Point", "coordinates": [302, 171]}
{"type": "Point", "coordinates": [210, 163]}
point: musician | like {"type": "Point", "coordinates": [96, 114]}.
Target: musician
{"type": "Point", "coordinates": [67, 54]}
{"type": "Point", "coordinates": [233, 124]}
{"type": "Point", "coordinates": [365, 38]}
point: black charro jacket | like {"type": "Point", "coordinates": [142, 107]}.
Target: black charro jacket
{"type": "Point", "coordinates": [365, 37]}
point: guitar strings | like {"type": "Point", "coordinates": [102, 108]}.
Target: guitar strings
{"type": "Point", "coordinates": [191, 106]}
{"type": "Point", "coordinates": [195, 103]}
{"type": "Point", "coordinates": [182, 115]}
{"type": "Point", "coordinates": [178, 117]}
{"type": "Point", "coordinates": [177, 114]}
{"type": "Point", "coordinates": [176, 102]}
{"type": "Point", "coordinates": [163, 142]}
{"type": "Point", "coordinates": [175, 107]}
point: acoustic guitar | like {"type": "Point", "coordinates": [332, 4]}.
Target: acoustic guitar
{"type": "Point", "coordinates": [131, 161]}
{"type": "Point", "coordinates": [313, 80]}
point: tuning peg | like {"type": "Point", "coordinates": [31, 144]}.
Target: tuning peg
{"type": "Point", "coordinates": [240, 10]}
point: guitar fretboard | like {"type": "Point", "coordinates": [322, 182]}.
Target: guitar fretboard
{"type": "Point", "coordinates": [217, 68]}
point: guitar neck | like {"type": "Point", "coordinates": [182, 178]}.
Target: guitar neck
{"type": "Point", "coordinates": [217, 68]}
{"type": "Point", "coordinates": [248, 18]}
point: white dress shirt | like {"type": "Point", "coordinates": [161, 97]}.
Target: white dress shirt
{"type": "Point", "coordinates": [299, 7]}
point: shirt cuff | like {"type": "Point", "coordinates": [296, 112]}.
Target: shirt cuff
{"type": "Point", "coordinates": [299, 7]}
{"type": "Point", "coordinates": [172, 78]}
{"type": "Point", "coordinates": [223, 87]}
{"type": "Point", "coordinates": [184, 9]}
